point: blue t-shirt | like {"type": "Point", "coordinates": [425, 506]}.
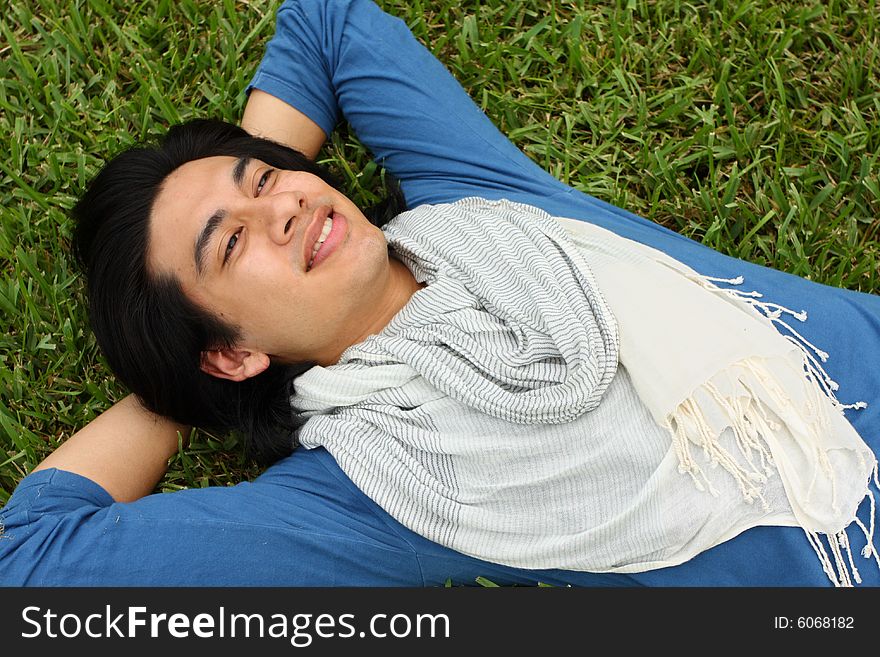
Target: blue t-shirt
{"type": "Point", "coordinates": [303, 522]}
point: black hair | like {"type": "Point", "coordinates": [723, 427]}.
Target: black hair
{"type": "Point", "coordinates": [151, 334]}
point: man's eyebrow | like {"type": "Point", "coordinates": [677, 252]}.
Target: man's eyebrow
{"type": "Point", "coordinates": [239, 169]}
{"type": "Point", "coordinates": [210, 227]}
{"type": "Point", "coordinates": [204, 239]}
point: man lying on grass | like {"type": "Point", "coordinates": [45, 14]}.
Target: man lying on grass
{"type": "Point", "coordinates": [493, 374]}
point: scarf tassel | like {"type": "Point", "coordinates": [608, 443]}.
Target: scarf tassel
{"type": "Point", "coordinates": [752, 396]}
{"type": "Point", "coordinates": [838, 573]}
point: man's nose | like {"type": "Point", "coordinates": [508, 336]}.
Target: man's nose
{"type": "Point", "coordinates": [286, 210]}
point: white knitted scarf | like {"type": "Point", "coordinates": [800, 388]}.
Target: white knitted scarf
{"type": "Point", "coordinates": [528, 318]}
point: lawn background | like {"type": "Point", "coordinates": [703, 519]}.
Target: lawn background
{"type": "Point", "coordinates": [750, 126]}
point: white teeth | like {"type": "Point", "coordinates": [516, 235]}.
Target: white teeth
{"type": "Point", "coordinates": [328, 225]}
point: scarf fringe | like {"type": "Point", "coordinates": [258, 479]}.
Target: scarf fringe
{"type": "Point", "coordinates": [842, 572]}
{"type": "Point", "coordinates": [773, 312]}
{"type": "Point", "coordinates": [746, 432]}
{"type": "Point", "coordinates": [748, 418]}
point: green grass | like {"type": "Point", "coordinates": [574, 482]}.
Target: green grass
{"type": "Point", "coordinates": [752, 126]}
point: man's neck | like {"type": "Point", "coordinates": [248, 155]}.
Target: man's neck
{"type": "Point", "coordinates": [399, 289]}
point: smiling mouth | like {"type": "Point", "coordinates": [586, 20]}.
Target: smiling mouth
{"type": "Point", "coordinates": [325, 231]}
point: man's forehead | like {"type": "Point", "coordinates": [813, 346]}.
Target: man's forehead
{"type": "Point", "coordinates": [189, 196]}
{"type": "Point", "coordinates": [189, 182]}
{"type": "Point", "coordinates": [215, 164]}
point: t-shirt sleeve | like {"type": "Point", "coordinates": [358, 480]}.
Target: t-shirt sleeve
{"type": "Point", "coordinates": [347, 58]}
{"type": "Point", "coordinates": [45, 508]}
{"type": "Point", "coordinates": [293, 526]}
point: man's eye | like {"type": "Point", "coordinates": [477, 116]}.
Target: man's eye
{"type": "Point", "coordinates": [263, 180]}
{"type": "Point", "coordinates": [230, 245]}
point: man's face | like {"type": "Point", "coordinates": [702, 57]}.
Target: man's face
{"type": "Point", "coordinates": [240, 237]}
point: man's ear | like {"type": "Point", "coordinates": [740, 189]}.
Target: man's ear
{"type": "Point", "coordinates": [233, 364]}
